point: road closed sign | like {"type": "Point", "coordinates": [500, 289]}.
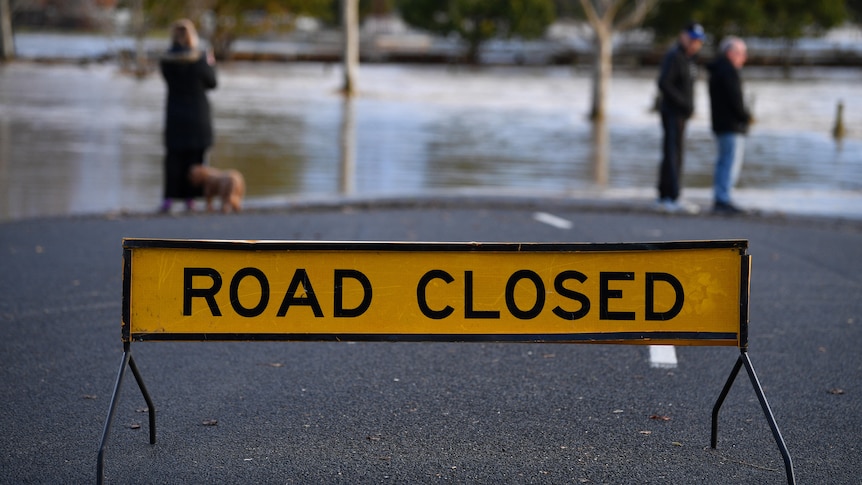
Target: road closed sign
{"type": "Point", "coordinates": [682, 293]}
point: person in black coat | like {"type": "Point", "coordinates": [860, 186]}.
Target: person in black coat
{"type": "Point", "coordinates": [730, 119]}
{"type": "Point", "coordinates": [676, 87]}
{"type": "Point", "coordinates": [189, 74]}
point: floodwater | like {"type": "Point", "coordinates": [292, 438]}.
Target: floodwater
{"type": "Point", "coordinates": [87, 138]}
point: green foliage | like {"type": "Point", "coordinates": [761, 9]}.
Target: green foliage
{"type": "Point", "coordinates": [530, 18]}
{"type": "Point", "coordinates": [234, 18]}
{"type": "Point", "coordinates": [789, 19]}
{"type": "Point", "coordinates": [854, 9]}
{"type": "Point", "coordinates": [376, 7]}
{"type": "Point", "coordinates": [479, 20]}
{"type": "Point", "coordinates": [569, 9]}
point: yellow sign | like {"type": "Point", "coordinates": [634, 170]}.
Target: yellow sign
{"type": "Point", "coordinates": [684, 293]}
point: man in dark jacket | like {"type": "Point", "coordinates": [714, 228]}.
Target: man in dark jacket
{"type": "Point", "coordinates": [730, 119]}
{"type": "Point", "coordinates": [189, 73]}
{"type": "Point", "coordinates": [676, 86]}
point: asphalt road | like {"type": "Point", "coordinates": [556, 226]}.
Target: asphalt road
{"type": "Point", "coordinates": [270, 412]}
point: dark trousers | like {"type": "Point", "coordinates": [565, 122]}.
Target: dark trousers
{"type": "Point", "coordinates": [177, 165]}
{"type": "Point", "coordinates": [670, 172]}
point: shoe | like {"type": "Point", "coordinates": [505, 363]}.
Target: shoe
{"type": "Point", "coordinates": [688, 207]}
{"type": "Point", "coordinates": [670, 206]}
{"type": "Point", "coordinates": [664, 205]}
{"type": "Point", "coordinates": [165, 208]}
{"type": "Point", "coordinates": [727, 209]}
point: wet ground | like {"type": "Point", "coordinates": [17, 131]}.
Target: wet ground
{"type": "Point", "coordinates": [87, 138]}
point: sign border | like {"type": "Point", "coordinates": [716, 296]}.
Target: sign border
{"type": "Point", "coordinates": [633, 338]}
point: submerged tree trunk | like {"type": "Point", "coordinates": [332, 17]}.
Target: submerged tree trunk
{"type": "Point", "coordinates": [350, 27]}
{"type": "Point", "coordinates": [347, 145]}
{"type": "Point", "coordinates": [601, 153]}
{"type": "Point", "coordinates": [603, 18]}
{"type": "Point", "coordinates": [602, 71]}
{"type": "Point", "coordinates": [7, 41]}
{"type": "Point", "coordinates": [606, 17]}
{"type": "Point", "coordinates": [139, 28]}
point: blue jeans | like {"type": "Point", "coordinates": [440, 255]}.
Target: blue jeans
{"type": "Point", "coordinates": [731, 146]}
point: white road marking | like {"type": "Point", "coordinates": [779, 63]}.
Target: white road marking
{"type": "Point", "coordinates": [552, 220]}
{"type": "Point", "coordinates": [662, 356]}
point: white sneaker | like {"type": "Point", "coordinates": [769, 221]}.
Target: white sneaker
{"type": "Point", "coordinates": [688, 207]}
{"type": "Point", "coordinates": [664, 205]}
{"type": "Point", "coordinates": [678, 207]}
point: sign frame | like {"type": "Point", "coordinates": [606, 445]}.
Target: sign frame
{"type": "Point", "coordinates": [739, 339]}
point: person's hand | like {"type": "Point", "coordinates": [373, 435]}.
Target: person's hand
{"type": "Point", "coordinates": [210, 57]}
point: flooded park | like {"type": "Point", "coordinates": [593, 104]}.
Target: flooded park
{"type": "Point", "coordinates": [81, 138]}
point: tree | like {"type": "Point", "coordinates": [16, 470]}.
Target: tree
{"type": "Point", "coordinates": [7, 41]}
{"type": "Point", "coordinates": [350, 54]}
{"type": "Point", "coordinates": [235, 18]}
{"type": "Point", "coordinates": [787, 20]}
{"type": "Point", "coordinates": [854, 9]}
{"type": "Point", "coordinates": [476, 21]}
{"type": "Point", "coordinates": [782, 19]}
{"type": "Point", "coordinates": [607, 17]}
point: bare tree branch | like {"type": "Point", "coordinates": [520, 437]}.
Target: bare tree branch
{"type": "Point", "coordinates": [590, 12]}
{"type": "Point", "coordinates": [636, 16]}
{"type": "Point", "coordinates": [611, 10]}
{"type": "Point", "coordinates": [601, 13]}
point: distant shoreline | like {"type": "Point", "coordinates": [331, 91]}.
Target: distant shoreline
{"type": "Point", "coordinates": [325, 47]}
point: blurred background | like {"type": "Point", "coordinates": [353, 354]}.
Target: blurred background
{"type": "Point", "coordinates": [403, 97]}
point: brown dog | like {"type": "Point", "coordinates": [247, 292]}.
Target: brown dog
{"type": "Point", "coordinates": [227, 185]}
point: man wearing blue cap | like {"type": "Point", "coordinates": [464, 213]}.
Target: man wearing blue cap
{"type": "Point", "coordinates": [676, 86]}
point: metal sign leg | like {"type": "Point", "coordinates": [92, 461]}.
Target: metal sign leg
{"type": "Point", "coordinates": [744, 360]}
{"type": "Point", "coordinates": [129, 362]}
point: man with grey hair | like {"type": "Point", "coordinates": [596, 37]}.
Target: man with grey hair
{"type": "Point", "coordinates": [730, 120]}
